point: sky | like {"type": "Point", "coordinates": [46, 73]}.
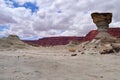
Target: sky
{"type": "Point", "coordinates": [34, 19]}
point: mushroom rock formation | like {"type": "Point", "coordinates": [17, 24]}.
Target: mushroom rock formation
{"type": "Point", "coordinates": [102, 21]}
{"type": "Point", "coordinates": [103, 43]}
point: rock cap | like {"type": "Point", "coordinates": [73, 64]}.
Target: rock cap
{"type": "Point", "coordinates": [106, 17]}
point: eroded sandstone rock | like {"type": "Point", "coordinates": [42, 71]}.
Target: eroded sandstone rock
{"type": "Point", "coordinates": [12, 42]}
{"type": "Point", "coordinates": [98, 47]}
{"type": "Point", "coordinates": [102, 21]}
{"type": "Point", "coordinates": [103, 43]}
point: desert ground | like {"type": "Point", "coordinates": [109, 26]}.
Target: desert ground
{"type": "Point", "coordinates": [56, 63]}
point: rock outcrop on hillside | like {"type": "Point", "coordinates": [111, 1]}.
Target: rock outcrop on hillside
{"type": "Point", "coordinates": [99, 47]}
{"type": "Point", "coordinates": [12, 42]}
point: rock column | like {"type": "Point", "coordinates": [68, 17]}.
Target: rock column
{"type": "Point", "coordinates": [102, 21]}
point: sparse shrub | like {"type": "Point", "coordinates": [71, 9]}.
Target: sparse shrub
{"type": "Point", "coordinates": [72, 49]}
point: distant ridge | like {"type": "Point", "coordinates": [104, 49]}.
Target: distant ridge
{"type": "Point", "coordinates": [62, 40]}
{"type": "Point", "coordinates": [52, 41]}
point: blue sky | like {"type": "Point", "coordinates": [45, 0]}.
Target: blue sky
{"type": "Point", "coordinates": [28, 5]}
{"type": "Point", "coordinates": [3, 27]}
{"type": "Point", "coordinates": [33, 19]}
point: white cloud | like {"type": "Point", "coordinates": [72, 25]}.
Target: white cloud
{"type": "Point", "coordinates": [56, 17]}
{"type": "Point", "coordinates": [6, 18]}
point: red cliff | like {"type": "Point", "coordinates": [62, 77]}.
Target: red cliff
{"type": "Point", "coordinates": [112, 31]}
{"type": "Point", "coordinates": [51, 41]}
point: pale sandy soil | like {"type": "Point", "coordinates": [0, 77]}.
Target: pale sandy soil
{"type": "Point", "coordinates": [57, 64]}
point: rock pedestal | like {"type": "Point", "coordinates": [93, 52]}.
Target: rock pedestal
{"type": "Point", "coordinates": [103, 43]}
{"type": "Point", "coordinates": [102, 21]}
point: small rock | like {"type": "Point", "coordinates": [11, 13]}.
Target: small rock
{"type": "Point", "coordinates": [101, 76]}
{"type": "Point", "coordinates": [73, 54]}
{"type": "Point", "coordinates": [82, 53]}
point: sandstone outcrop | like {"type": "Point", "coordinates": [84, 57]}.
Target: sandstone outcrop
{"type": "Point", "coordinates": [98, 47]}
{"type": "Point", "coordinates": [12, 42]}
{"type": "Point", "coordinates": [102, 21]}
{"type": "Point", "coordinates": [103, 42]}
{"type": "Point", "coordinates": [13, 37]}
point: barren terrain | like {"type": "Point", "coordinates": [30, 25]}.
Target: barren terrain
{"type": "Point", "coordinates": [56, 63]}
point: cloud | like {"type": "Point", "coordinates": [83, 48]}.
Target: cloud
{"type": "Point", "coordinates": [6, 18]}
{"type": "Point", "coordinates": [54, 17]}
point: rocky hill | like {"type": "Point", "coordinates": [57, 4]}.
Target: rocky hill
{"type": "Point", "coordinates": [51, 41]}
{"type": "Point", "coordinates": [12, 42]}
